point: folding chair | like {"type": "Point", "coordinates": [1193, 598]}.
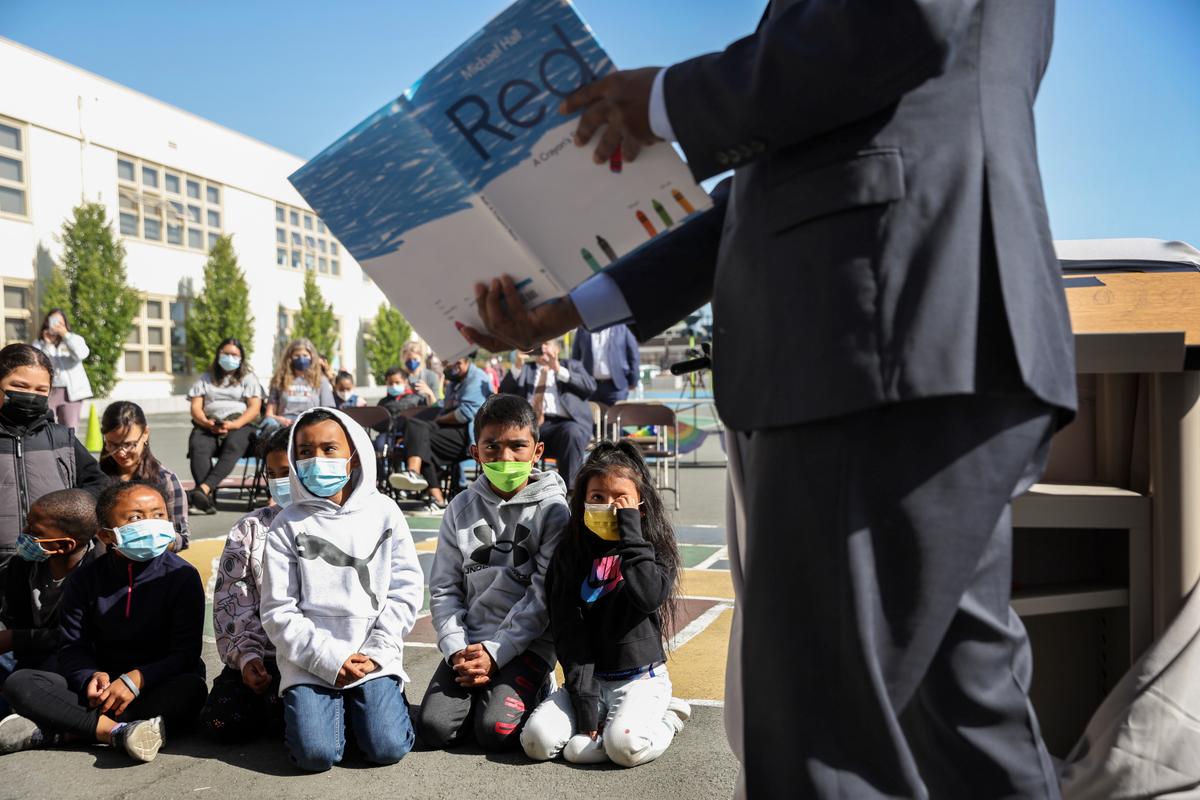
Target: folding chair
{"type": "Point", "coordinates": [661, 448]}
{"type": "Point", "coordinates": [599, 423]}
{"type": "Point", "coordinates": [245, 461]}
{"type": "Point", "coordinates": [370, 417]}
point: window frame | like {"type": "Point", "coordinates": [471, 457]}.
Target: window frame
{"type": "Point", "coordinates": [142, 325]}
{"type": "Point", "coordinates": [306, 240]}
{"type": "Point", "coordinates": [157, 204]}
{"type": "Point", "coordinates": [11, 312]}
{"type": "Point", "coordinates": [21, 157]}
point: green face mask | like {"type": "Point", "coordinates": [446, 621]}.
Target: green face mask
{"type": "Point", "coordinates": [507, 475]}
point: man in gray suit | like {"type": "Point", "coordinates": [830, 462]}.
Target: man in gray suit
{"type": "Point", "coordinates": [886, 218]}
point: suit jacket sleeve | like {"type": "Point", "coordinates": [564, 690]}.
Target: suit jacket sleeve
{"type": "Point", "coordinates": [808, 70]}
{"type": "Point", "coordinates": [581, 384]}
{"type": "Point", "coordinates": [577, 344]}
{"type": "Point", "coordinates": [672, 274]}
{"type": "Point", "coordinates": [633, 358]}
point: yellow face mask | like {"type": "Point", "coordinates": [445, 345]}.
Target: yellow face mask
{"type": "Point", "coordinates": [601, 519]}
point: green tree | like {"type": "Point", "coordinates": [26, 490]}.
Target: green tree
{"type": "Point", "coordinates": [222, 309]}
{"type": "Point", "coordinates": [315, 320]}
{"type": "Point", "coordinates": [55, 293]}
{"type": "Point", "coordinates": [100, 303]}
{"type": "Point", "coordinates": [385, 337]}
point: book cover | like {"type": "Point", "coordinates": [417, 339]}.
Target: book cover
{"type": "Point", "coordinates": [471, 173]}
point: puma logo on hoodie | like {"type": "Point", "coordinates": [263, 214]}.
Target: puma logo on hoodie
{"type": "Point", "coordinates": [310, 547]}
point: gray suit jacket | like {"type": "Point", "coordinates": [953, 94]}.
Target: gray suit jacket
{"type": "Point", "coordinates": [885, 223]}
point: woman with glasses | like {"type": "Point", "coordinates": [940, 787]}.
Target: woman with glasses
{"type": "Point", "coordinates": [126, 456]}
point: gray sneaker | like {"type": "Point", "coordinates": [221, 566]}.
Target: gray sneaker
{"type": "Point", "coordinates": [142, 739]}
{"type": "Point", "coordinates": [408, 481]}
{"type": "Point", "coordinates": [17, 733]}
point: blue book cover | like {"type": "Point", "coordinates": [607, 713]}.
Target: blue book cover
{"type": "Point", "coordinates": [471, 173]}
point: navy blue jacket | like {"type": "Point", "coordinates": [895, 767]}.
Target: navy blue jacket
{"type": "Point", "coordinates": [624, 359]}
{"type": "Point", "coordinates": [119, 615]}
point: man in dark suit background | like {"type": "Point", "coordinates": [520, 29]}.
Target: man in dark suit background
{"type": "Point", "coordinates": [558, 390]}
{"type": "Point", "coordinates": [610, 356]}
{"type": "Point", "coordinates": [886, 224]}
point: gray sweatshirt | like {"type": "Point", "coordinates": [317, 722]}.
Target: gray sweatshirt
{"type": "Point", "coordinates": [488, 583]}
{"type": "Point", "coordinates": [339, 580]}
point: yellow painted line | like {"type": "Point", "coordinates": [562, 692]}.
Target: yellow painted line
{"type": "Point", "coordinates": [706, 583]}
{"type": "Point", "coordinates": [427, 546]}
{"type": "Point", "coordinates": [698, 668]}
{"type": "Point", "coordinates": [202, 555]}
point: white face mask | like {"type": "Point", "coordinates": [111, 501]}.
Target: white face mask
{"type": "Point", "coordinates": [345, 394]}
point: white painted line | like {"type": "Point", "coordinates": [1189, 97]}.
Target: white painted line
{"type": "Point", "coordinates": [721, 554]}
{"type": "Point", "coordinates": [725, 600]}
{"type": "Point", "coordinates": [701, 525]}
{"type": "Point", "coordinates": [420, 644]}
{"type": "Point", "coordinates": [697, 626]}
{"type": "Point", "coordinates": [706, 703]}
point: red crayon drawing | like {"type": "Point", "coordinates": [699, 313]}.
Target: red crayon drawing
{"type": "Point", "coordinates": [642, 218]}
{"type": "Point", "coordinates": [615, 163]}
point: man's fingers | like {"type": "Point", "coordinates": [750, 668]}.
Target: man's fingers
{"type": "Point", "coordinates": [495, 311]}
{"type": "Point", "coordinates": [585, 96]}
{"type": "Point", "coordinates": [591, 121]}
{"type": "Point", "coordinates": [516, 310]}
{"type": "Point", "coordinates": [609, 142]}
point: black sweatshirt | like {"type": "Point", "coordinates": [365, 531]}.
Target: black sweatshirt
{"type": "Point", "coordinates": [33, 646]}
{"type": "Point", "coordinates": [604, 610]}
{"type": "Point", "coordinates": [120, 615]}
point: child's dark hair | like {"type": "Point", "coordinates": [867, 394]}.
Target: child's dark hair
{"type": "Point", "coordinates": [118, 417]}
{"type": "Point", "coordinates": [343, 375]}
{"type": "Point", "coordinates": [20, 354]}
{"type": "Point", "coordinates": [73, 511]}
{"type": "Point", "coordinates": [277, 442]}
{"type": "Point", "coordinates": [625, 459]}
{"type": "Point", "coordinates": [113, 493]}
{"type": "Point", "coordinates": [394, 369]}
{"type": "Point", "coordinates": [507, 411]}
{"type": "Point", "coordinates": [219, 373]}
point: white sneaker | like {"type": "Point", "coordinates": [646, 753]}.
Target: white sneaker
{"type": "Point", "coordinates": [408, 481]}
{"type": "Point", "coordinates": [678, 712]}
{"type": "Point", "coordinates": [142, 739]}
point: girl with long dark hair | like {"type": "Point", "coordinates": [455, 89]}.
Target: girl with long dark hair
{"type": "Point", "coordinates": [66, 351]}
{"type": "Point", "coordinates": [226, 401]}
{"type": "Point", "coordinates": [612, 590]}
{"type": "Point", "coordinates": [126, 456]}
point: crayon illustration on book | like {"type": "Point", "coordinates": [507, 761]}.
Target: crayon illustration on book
{"type": "Point", "coordinates": [472, 173]}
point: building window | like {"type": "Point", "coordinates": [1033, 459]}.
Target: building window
{"type": "Point", "coordinates": [156, 342]}
{"type": "Point", "coordinates": [148, 210]}
{"type": "Point", "coordinates": [309, 240]}
{"type": "Point", "coordinates": [14, 169]}
{"type": "Point", "coordinates": [18, 311]}
{"type": "Point", "coordinates": [286, 324]}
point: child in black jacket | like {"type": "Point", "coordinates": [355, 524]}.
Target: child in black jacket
{"type": "Point", "coordinates": [129, 661]}
{"type": "Point", "coordinates": [611, 591]}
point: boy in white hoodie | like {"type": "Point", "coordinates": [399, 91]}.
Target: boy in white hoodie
{"type": "Point", "coordinates": [487, 586]}
{"type": "Point", "coordinates": [341, 589]}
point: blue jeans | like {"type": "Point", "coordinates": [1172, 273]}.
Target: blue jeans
{"type": "Point", "coordinates": [315, 720]}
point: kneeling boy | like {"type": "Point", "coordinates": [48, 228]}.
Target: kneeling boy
{"type": "Point", "coordinates": [487, 586]}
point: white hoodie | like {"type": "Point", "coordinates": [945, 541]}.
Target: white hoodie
{"type": "Point", "coordinates": [339, 580]}
{"type": "Point", "coordinates": [488, 582]}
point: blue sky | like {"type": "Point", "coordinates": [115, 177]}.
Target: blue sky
{"type": "Point", "coordinates": [1118, 115]}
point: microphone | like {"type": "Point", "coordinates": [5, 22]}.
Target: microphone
{"type": "Point", "coordinates": [703, 361]}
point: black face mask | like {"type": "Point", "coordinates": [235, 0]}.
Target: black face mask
{"type": "Point", "coordinates": [455, 374]}
{"type": "Point", "coordinates": [24, 408]}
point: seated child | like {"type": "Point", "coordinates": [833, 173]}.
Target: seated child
{"type": "Point", "coordinates": [403, 393]}
{"type": "Point", "coordinates": [341, 589]}
{"type": "Point", "coordinates": [343, 392]}
{"type": "Point", "coordinates": [129, 666]}
{"type": "Point", "coordinates": [486, 587]}
{"type": "Point", "coordinates": [612, 588]}
{"type": "Point", "coordinates": [244, 701]}
{"type": "Point", "coordinates": [58, 537]}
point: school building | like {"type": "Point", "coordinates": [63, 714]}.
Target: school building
{"type": "Point", "coordinates": [172, 183]}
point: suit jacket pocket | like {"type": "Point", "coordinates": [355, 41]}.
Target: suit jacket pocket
{"type": "Point", "coordinates": [870, 178]}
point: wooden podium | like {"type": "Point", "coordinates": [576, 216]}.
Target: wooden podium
{"type": "Point", "coordinates": [1133, 466]}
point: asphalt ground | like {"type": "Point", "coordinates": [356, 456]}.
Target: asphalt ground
{"type": "Point", "coordinates": [697, 765]}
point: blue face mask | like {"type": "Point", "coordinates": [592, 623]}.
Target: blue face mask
{"type": "Point", "coordinates": [301, 363]}
{"type": "Point", "coordinates": [395, 389]}
{"type": "Point", "coordinates": [413, 364]}
{"type": "Point", "coordinates": [144, 539]}
{"type": "Point", "coordinates": [324, 477]}
{"type": "Point", "coordinates": [30, 549]}
{"type": "Point", "coordinates": [229, 363]}
{"type": "Point", "coordinates": [281, 491]}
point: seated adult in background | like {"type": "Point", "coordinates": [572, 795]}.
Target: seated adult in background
{"type": "Point", "coordinates": [45, 455]}
{"type": "Point", "coordinates": [298, 385]}
{"type": "Point", "coordinates": [445, 439]}
{"type": "Point", "coordinates": [610, 356]}
{"type": "Point", "coordinates": [66, 351]}
{"type": "Point", "coordinates": [226, 402]}
{"type": "Point", "coordinates": [416, 372]}
{"type": "Point", "coordinates": [126, 457]}
{"type": "Point", "coordinates": [558, 391]}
